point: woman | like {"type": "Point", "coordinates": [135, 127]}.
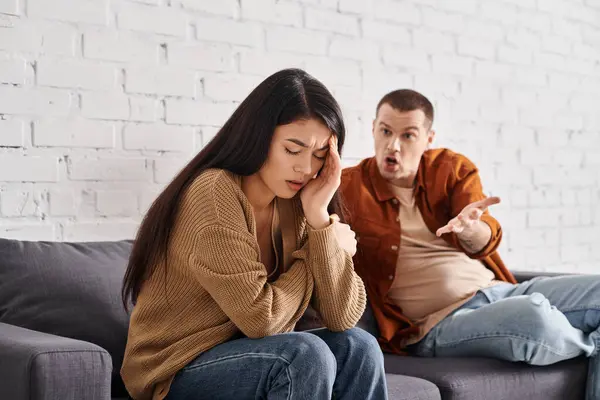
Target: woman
{"type": "Point", "coordinates": [232, 252]}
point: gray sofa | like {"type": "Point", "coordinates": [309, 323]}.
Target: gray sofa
{"type": "Point", "coordinates": [63, 331]}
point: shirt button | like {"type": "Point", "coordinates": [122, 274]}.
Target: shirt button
{"type": "Point", "coordinates": [394, 247]}
{"type": "Point", "coordinates": [390, 277]}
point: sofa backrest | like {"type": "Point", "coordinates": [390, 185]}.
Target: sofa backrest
{"type": "Point", "coordinates": [67, 289]}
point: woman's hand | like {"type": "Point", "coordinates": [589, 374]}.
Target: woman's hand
{"type": "Point", "coordinates": [345, 236]}
{"type": "Point", "coordinates": [317, 194]}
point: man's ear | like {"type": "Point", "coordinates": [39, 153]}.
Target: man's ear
{"type": "Point", "coordinates": [373, 127]}
{"type": "Point", "coordinates": [431, 137]}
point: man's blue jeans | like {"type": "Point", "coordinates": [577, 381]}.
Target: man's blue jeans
{"type": "Point", "coordinates": [317, 364]}
{"type": "Point", "coordinates": [540, 322]}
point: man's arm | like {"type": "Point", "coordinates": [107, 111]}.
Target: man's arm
{"type": "Point", "coordinates": [475, 237]}
{"type": "Point", "coordinates": [473, 229]}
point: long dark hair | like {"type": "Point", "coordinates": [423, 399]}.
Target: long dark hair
{"type": "Point", "coordinates": [241, 146]}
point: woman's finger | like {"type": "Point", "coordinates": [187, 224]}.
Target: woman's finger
{"type": "Point", "coordinates": [333, 159]}
{"type": "Point", "coordinates": [333, 150]}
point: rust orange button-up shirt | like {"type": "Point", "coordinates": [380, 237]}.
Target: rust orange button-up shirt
{"type": "Point", "coordinates": [446, 182]}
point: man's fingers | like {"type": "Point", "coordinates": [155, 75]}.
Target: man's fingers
{"type": "Point", "coordinates": [485, 203]}
{"type": "Point", "coordinates": [475, 214]}
{"type": "Point", "coordinates": [464, 221]}
{"type": "Point", "coordinates": [442, 230]}
{"type": "Point", "coordinates": [456, 225]}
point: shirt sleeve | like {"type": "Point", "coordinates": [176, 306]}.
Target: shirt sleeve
{"type": "Point", "coordinates": [466, 190]}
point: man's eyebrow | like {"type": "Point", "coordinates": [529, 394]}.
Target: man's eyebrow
{"type": "Point", "coordinates": [301, 143]}
{"type": "Point", "coordinates": [406, 129]}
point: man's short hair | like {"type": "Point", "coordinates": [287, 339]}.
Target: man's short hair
{"type": "Point", "coordinates": [407, 100]}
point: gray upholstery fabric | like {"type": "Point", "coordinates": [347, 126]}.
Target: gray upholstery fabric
{"type": "Point", "coordinates": [489, 379]}
{"type": "Point", "coordinates": [67, 289]}
{"type": "Point", "coordinates": [522, 276]}
{"type": "Point", "coordinates": [402, 387]}
{"type": "Point", "coordinates": [39, 366]}
{"type": "Point", "coordinates": [72, 290]}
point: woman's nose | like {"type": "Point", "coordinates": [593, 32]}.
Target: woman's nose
{"type": "Point", "coordinates": [304, 166]}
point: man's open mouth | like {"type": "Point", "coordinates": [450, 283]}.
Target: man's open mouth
{"type": "Point", "coordinates": [391, 160]}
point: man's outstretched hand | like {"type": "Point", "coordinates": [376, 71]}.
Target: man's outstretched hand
{"type": "Point", "coordinates": [468, 217]}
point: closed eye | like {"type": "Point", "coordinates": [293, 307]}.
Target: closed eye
{"type": "Point", "coordinates": [295, 153]}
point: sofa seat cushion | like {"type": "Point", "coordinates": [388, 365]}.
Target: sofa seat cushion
{"type": "Point", "coordinates": [490, 379]}
{"type": "Point", "coordinates": [67, 289]}
{"type": "Point", "coordinates": [401, 387]}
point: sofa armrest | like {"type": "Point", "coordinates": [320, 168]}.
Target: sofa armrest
{"type": "Point", "coordinates": [522, 276]}
{"type": "Point", "coordinates": [40, 366]}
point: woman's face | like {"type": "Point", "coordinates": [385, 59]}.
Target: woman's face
{"type": "Point", "coordinates": [297, 153]}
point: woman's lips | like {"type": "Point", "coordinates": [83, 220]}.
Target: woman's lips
{"type": "Point", "coordinates": [295, 185]}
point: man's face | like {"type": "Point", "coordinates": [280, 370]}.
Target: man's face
{"type": "Point", "coordinates": [401, 138]}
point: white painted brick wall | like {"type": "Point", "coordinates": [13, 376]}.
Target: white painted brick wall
{"type": "Point", "coordinates": [9, 7]}
{"type": "Point", "coordinates": [75, 74]}
{"type": "Point", "coordinates": [13, 71]}
{"type": "Point", "coordinates": [102, 105]}
{"type": "Point", "coordinates": [161, 81]}
{"type": "Point", "coordinates": [108, 169]}
{"type": "Point", "coordinates": [203, 56]}
{"type": "Point", "coordinates": [74, 133]}
{"type": "Point", "coordinates": [11, 133]}
{"type": "Point", "coordinates": [158, 137]}
{"type": "Point", "coordinates": [127, 47]}
{"type": "Point", "coordinates": [230, 32]}
{"type": "Point", "coordinates": [228, 8]}
{"type": "Point", "coordinates": [102, 102]}
{"type": "Point", "coordinates": [93, 12]}
{"type": "Point", "coordinates": [22, 168]}
{"type": "Point", "coordinates": [142, 18]}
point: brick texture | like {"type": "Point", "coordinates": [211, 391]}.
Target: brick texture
{"type": "Point", "coordinates": [102, 102]}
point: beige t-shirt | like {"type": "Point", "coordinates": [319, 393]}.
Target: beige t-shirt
{"type": "Point", "coordinates": [432, 277]}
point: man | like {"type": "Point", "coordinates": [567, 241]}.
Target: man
{"type": "Point", "coordinates": [427, 255]}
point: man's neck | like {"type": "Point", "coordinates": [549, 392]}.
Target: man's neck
{"type": "Point", "coordinates": [404, 182]}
